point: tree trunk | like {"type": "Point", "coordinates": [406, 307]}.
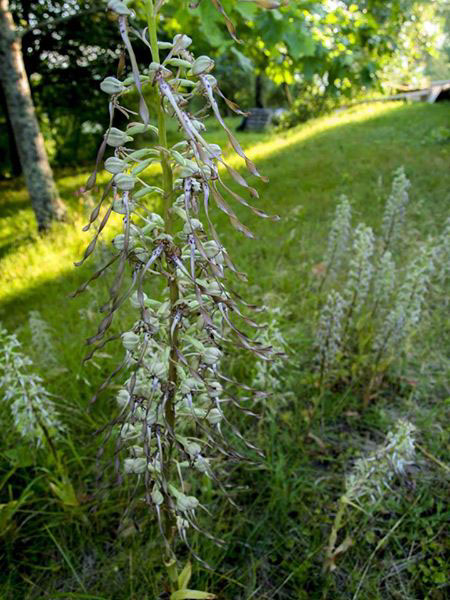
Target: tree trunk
{"type": "Point", "coordinates": [259, 92]}
{"type": "Point", "coordinates": [38, 175]}
{"type": "Point", "coordinates": [16, 167]}
{"type": "Point", "coordinates": [288, 94]}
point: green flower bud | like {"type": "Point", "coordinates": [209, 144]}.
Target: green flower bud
{"type": "Point", "coordinates": [156, 495]}
{"type": "Point", "coordinates": [135, 465]}
{"type": "Point", "coordinates": [116, 137]}
{"type": "Point", "coordinates": [119, 206]}
{"type": "Point", "coordinates": [192, 448]}
{"type": "Point", "coordinates": [214, 289]}
{"type": "Point", "coordinates": [165, 45]}
{"type": "Point", "coordinates": [129, 432]}
{"type": "Point", "coordinates": [182, 41]}
{"type": "Point", "coordinates": [211, 356]}
{"type": "Point", "coordinates": [198, 125]}
{"type": "Point", "coordinates": [158, 68]}
{"type": "Point", "coordinates": [119, 242]}
{"type": "Point", "coordinates": [206, 171]}
{"type": "Point", "coordinates": [215, 389]}
{"type": "Point", "coordinates": [189, 385]}
{"type": "Point", "coordinates": [186, 503]}
{"type": "Point", "coordinates": [180, 212]}
{"type": "Point", "coordinates": [214, 416]}
{"type": "Point", "coordinates": [124, 182]}
{"type": "Point", "coordinates": [183, 82]}
{"type": "Point", "coordinates": [192, 225]}
{"type": "Point", "coordinates": [141, 254]}
{"type": "Point", "coordinates": [111, 85]}
{"type": "Point", "coordinates": [215, 150]}
{"type": "Point", "coordinates": [178, 62]}
{"type": "Point", "coordinates": [189, 169]}
{"type": "Point", "coordinates": [179, 158]}
{"type": "Point", "coordinates": [119, 7]}
{"type": "Point", "coordinates": [143, 153]}
{"type": "Point", "coordinates": [211, 248]}
{"type": "Point", "coordinates": [201, 464]}
{"type": "Point", "coordinates": [150, 189]}
{"type": "Point", "coordinates": [202, 65]}
{"type": "Point", "coordinates": [158, 369]}
{"type": "Point", "coordinates": [135, 301]}
{"type": "Point", "coordinates": [130, 340]}
{"type": "Point", "coordinates": [142, 388]}
{"type": "Point", "coordinates": [123, 398]}
{"type": "Point", "coordinates": [130, 79]}
{"type": "Point", "coordinates": [134, 128]}
{"type": "Point", "coordinates": [115, 165]}
{"type": "Point", "coordinates": [155, 220]}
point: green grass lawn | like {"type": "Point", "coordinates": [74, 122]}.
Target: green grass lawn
{"type": "Point", "coordinates": [87, 548]}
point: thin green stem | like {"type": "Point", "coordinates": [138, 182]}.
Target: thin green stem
{"type": "Point", "coordinates": [152, 20]}
{"type": "Point", "coordinates": [169, 525]}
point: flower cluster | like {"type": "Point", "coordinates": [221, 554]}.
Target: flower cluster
{"type": "Point", "coordinates": [339, 236]}
{"type": "Point", "coordinates": [173, 400]}
{"type": "Point", "coordinates": [371, 476]}
{"type": "Point", "coordinates": [34, 413]}
{"type": "Point", "coordinates": [267, 377]}
{"type": "Point", "coordinates": [329, 332]}
{"type": "Point", "coordinates": [360, 268]}
{"type": "Point", "coordinates": [384, 279]}
{"type": "Point", "coordinates": [377, 303]}
{"type": "Point", "coordinates": [441, 253]}
{"type": "Point", "coordinates": [405, 315]}
{"type": "Point", "coordinates": [42, 339]}
{"type": "Point", "coordinates": [395, 210]}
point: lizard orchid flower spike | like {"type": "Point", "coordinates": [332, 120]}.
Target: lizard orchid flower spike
{"type": "Point", "coordinates": [173, 404]}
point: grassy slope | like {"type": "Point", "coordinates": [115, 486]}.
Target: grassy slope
{"type": "Point", "coordinates": [276, 543]}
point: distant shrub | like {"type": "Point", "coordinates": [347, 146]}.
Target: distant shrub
{"type": "Point", "coordinates": [307, 105]}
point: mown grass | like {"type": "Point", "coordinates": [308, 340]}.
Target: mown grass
{"type": "Point", "coordinates": [94, 548]}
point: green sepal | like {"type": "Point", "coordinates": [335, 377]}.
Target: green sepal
{"type": "Point", "coordinates": [141, 128]}
{"type": "Point", "coordinates": [138, 154]}
{"type": "Point", "coordinates": [147, 190]}
{"type": "Point", "coordinates": [142, 166]}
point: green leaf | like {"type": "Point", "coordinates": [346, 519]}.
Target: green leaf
{"type": "Point", "coordinates": [244, 62]}
{"type": "Point", "coordinates": [21, 456]}
{"type": "Point", "coordinates": [185, 576]}
{"type": "Point", "coordinates": [209, 19]}
{"type": "Point", "coordinates": [248, 11]}
{"type": "Point", "coordinates": [300, 44]}
{"type": "Point", "coordinates": [191, 595]}
{"type": "Point", "coordinates": [64, 491]}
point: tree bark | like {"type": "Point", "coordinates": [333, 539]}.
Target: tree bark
{"type": "Point", "coordinates": [41, 187]}
{"type": "Point", "coordinates": [259, 91]}
{"type": "Point", "coordinates": [14, 159]}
